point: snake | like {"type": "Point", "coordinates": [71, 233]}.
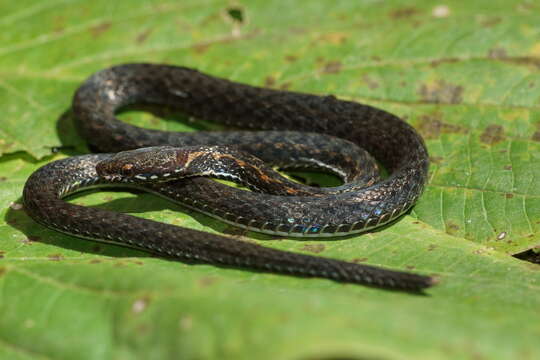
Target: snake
{"type": "Point", "coordinates": [269, 129]}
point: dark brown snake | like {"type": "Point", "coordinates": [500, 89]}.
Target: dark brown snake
{"type": "Point", "coordinates": [307, 130]}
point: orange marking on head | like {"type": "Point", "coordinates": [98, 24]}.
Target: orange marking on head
{"type": "Point", "coordinates": [127, 167]}
{"type": "Point", "coordinates": [192, 156]}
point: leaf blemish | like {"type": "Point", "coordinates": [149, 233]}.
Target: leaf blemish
{"type": "Point", "coordinates": [359, 260]}
{"type": "Point", "coordinates": [290, 58]}
{"type": "Point", "coordinates": [492, 135]}
{"type": "Point", "coordinates": [269, 81]}
{"type": "Point", "coordinates": [332, 67]}
{"type": "Point", "coordinates": [285, 85]}
{"type": "Point", "coordinates": [142, 36]}
{"type": "Point", "coordinates": [314, 248]}
{"type": "Point", "coordinates": [497, 53]}
{"type": "Point", "coordinates": [100, 29]}
{"type": "Point", "coordinates": [371, 83]}
{"type": "Point", "coordinates": [436, 159]}
{"type": "Point", "coordinates": [490, 21]}
{"type": "Point", "coordinates": [509, 196]}
{"type": "Point", "coordinates": [55, 257]}
{"type": "Point", "coordinates": [528, 61]}
{"type": "Point", "coordinates": [448, 60]}
{"type": "Point", "coordinates": [206, 281]}
{"type": "Point", "coordinates": [431, 127]}
{"type": "Point", "coordinates": [2, 271]}
{"type": "Point", "coordinates": [452, 228]}
{"type": "Point", "coordinates": [441, 92]}
{"type": "Point", "coordinates": [403, 13]}
{"type": "Point", "coordinates": [140, 305]}
{"type": "Point", "coordinates": [236, 14]}
{"type": "Point", "coordinates": [201, 48]}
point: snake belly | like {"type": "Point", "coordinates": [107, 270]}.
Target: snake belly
{"type": "Point", "coordinates": [280, 115]}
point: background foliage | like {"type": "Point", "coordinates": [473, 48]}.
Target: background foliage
{"type": "Point", "coordinates": [465, 74]}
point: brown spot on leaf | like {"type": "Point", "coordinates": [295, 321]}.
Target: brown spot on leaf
{"type": "Point", "coordinates": [431, 247]}
{"type": "Point", "coordinates": [97, 30]}
{"type": "Point", "coordinates": [201, 48]}
{"type": "Point", "coordinates": [95, 261]}
{"type": "Point", "coordinates": [536, 135]}
{"type": "Point", "coordinates": [359, 260]}
{"type": "Point", "coordinates": [436, 159]}
{"type": "Point", "coordinates": [441, 92]}
{"type": "Point", "coordinates": [314, 248]}
{"type": "Point", "coordinates": [452, 228]}
{"type": "Point", "coordinates": [206, 281]}
{"type": "Point", "coordinates": [529, 61]}
{"type": "Point", "coordinates": [269, 81]}
{"type": "Point", "coordinates": [142, 36]}
{"type": "Point", "coordinates": [3, 178]}
{"type": "Point", "coordinates": [2, 271]}
{"type": "Point", "coordinates": [509, 195]}
{"type": "Point", "coordinates": [490, 21]}
{"type": "Point", "coordinates": [285, 85]}
{"type": "Point", "coordinates": [497, 53]}
{"type": "Point", "coordinates": [332, 67]}
{"type": "Point", "coordinates": [431, 127]}
{"type": "Point", "coordinates": [479, 251]}
{"type": "Point", "coordinates": [336, 38]}
{"type": "Point", "coordinates": [371, 83]}
{"type": "Point", "coordinates": [403, 13]}
{"type": "Point", "coordinates": [410, 267]}
{"type": "Point", "coordinates": [55, 257]}
{"type": "Point", "coordinates": [507, 167]}
{"type": "Point", "coordinates": [440, 61]}
{"type": "Point", "coordinates": [492, 135]}
{"type": "Point", "coordinates": [290, 58]}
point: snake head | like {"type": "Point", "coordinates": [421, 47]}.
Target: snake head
{"type": "Point", "coordinates": [150, 164]}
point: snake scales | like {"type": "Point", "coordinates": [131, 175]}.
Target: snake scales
{"type": "Point", "coordinates": [308, 128]}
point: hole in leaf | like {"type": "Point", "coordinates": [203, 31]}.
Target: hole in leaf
{"type": "Point", "coordinates": [236, 14]}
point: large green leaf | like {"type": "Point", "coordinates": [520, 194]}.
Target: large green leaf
{"type": "Point", "coordinates": [465, 74]}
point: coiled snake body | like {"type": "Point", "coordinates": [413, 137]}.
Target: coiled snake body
{"type": "Point", "coordinates": [308, 128]}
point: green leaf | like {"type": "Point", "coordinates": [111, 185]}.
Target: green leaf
{"type": "Point", "coordinates": [465, 74]}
